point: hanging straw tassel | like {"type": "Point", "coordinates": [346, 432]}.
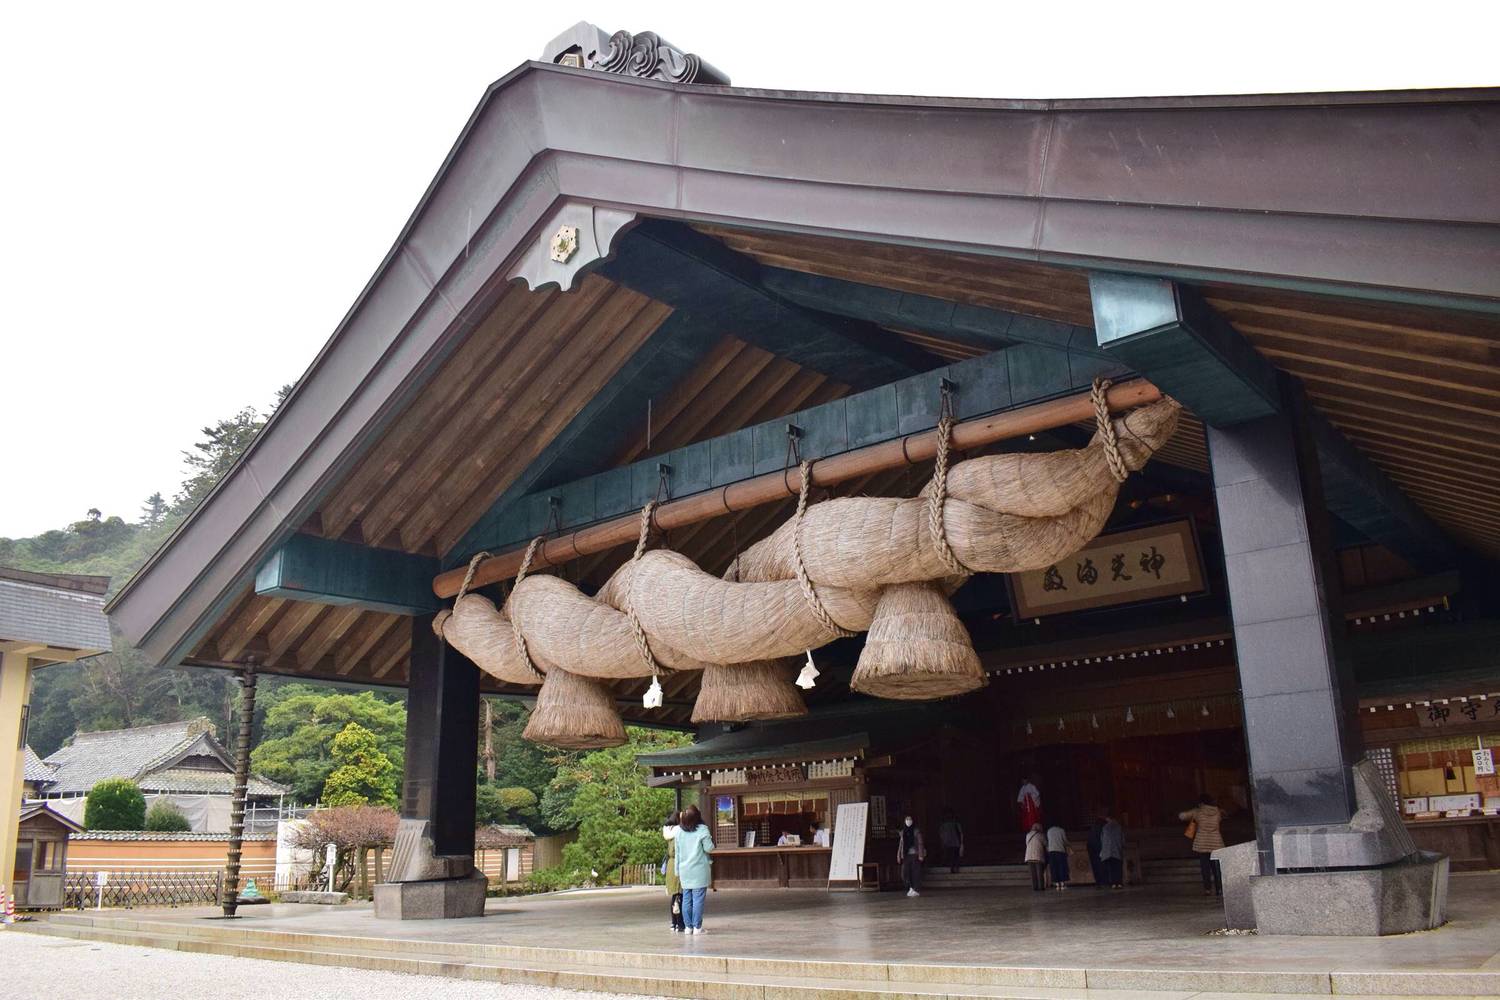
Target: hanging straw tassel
{"type": "Point", "coordinates": [574, 713]}
{"type": "Point", "coordinates": [746, 692]}
{"type": "Point", "coordinates": [917, 649]}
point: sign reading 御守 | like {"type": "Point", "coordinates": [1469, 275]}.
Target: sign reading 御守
{"type": "Point", "coordinates": [1459, 712]}
{"type": "Point", "coordinates": [1137, 565]}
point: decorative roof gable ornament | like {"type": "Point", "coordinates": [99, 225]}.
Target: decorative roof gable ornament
{"type": "Point", "coordinates": [646, 55]}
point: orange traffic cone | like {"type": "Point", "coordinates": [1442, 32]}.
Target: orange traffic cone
{"type": "Point", "coordinates": [7, 908]}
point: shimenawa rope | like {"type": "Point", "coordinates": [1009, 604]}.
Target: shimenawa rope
{"type": "Point", "coordinates": [809, 592]}
{"type": "Point", "coordinates": [1099, 396]}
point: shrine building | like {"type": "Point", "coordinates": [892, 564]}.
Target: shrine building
{"type": "Point", "coordinates": [909, 450]}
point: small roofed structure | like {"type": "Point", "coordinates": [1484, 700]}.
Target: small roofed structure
{"type": "Point", "coordinates": [45, 618]}
{"type": "Point", "coordinates": [36, 773]}
{"type": "Point", "coordinates": [41, 864]}
{"type": "Point", "coordinates": [179, 761]}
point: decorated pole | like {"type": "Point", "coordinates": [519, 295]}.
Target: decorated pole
{"type": "Point", "coordinates": [231, 892]}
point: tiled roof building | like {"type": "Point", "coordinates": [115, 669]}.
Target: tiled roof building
{"type": "Point", "coordinates": [175, 759]}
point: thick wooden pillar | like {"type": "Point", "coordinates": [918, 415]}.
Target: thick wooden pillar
{"type": "Point", "coordinates": [1297, 685]}
{"type": "Point", "coordinates": [442, 741]}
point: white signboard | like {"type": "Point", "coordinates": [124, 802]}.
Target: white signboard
{"type": "Point", "coordinates": [1484, 762]}
{"type": "Point", "coordinates": [848, 842]}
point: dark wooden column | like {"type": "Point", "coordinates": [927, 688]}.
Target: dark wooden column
{"type": "Point", "coordinates": [442, 740]}
{"type": "Point", "coordinates": [1300, 723]}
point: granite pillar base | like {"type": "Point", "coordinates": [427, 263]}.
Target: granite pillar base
{"type": "Point", "coordinates": [437, 899]}
{"type": "Point", "coordinates": [1410, 895]}
{"type": "Point", "coordinates": [1237, 864]}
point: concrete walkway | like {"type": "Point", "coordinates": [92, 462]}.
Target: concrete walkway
{"type": "Point", "coordinates": [1148, 939]}
{"type": "Point", "coordinates": [42, 968]}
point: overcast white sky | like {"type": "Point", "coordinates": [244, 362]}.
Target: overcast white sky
{"type": "Point", "coordinates": [193, 194]}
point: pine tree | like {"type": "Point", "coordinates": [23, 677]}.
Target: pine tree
{"type": "Point", "coordinates": [153, 510]}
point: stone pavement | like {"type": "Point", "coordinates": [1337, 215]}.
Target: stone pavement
{"type": "Point", "coordinates": [1124, 940]}
{"type": "Point", "coordinates": [43, 968]}
{"type": "Point", "coordinates": [1141, 928]}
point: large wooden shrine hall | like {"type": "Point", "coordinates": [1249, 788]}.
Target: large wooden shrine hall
{"type": "Point", "coordinates": [1138, 450]}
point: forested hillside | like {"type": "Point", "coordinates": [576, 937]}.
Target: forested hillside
{"type": "Point", "coordinates": [119, 690]}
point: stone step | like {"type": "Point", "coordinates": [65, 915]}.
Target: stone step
{"type": "Point", "coordinates": [713, 977]}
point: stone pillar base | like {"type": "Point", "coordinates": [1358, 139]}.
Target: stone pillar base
{"type": "Point", "coordinates": [1410, 895]}
{"type": "Point", "coordinates": [438, 899]}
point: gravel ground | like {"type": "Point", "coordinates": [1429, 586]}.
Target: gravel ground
{"type": "Point", "coordinates": [33, 967]}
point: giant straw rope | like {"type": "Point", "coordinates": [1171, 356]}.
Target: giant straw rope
{"type": "Point", "coordinates": [821, 574]}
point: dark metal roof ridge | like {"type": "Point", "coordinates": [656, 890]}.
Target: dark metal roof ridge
{"type": "Point", "coordinates": [1289, 99]}
{"type": "Point", "coordinates": [707, 153]}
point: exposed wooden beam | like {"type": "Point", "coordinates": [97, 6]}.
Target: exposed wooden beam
{"type": "Point", "coordinates": [695, 273]}
{"type": "Point", "coordinates": [325, 571]}
{"type": "Point", "coordinates": [1170, 334]}
{"type": "Point", "coordinates": [774, 486]}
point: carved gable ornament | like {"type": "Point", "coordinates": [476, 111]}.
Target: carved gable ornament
{"type": "Point", "coordinates": [646, 55]}
{"type": "Point", "coordinates": [564, 244]}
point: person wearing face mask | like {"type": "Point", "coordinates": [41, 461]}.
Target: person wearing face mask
{"type": "Point", "coordinates": [669, 869]}
{"type": "Point", "coordinates": [910, 853]}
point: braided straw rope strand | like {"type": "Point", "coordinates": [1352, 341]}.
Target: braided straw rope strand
{"type": "Point", "coordinates": [809, 592]}
{"type": "Point", "coordinates": [642, 644]}
{"type": "Point", "coordinates": [937, 499]}
{"type": "Point", "coordinates": [1098, 395]}
{"type": "Point", "coordinates": [515, 625]}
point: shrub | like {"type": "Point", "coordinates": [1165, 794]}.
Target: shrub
{"type": "Point", "coordinates": [558, 877]}
{"type": "Point", "coordinates": [494, 805]}
{"type": "Point", "coordinates": [164, 817]}
{"type": "Point", "coordinates": [115, 804]}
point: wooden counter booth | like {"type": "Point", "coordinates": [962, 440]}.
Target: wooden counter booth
{"type": "Point", "coordinates": [41, 863]}
{"type": "Point", "coordinates": [773, 811]}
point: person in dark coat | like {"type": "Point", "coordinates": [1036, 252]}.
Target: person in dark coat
{"type": "Point", "coordinates": [1112, 852]}
{"type": "Point", "coordinates": [910, 853]}
{"type": "Point", "coordinates": [1096, 830]}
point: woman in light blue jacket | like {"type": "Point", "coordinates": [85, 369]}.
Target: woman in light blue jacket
{"type": "Point", "coordinates": [694, 844]}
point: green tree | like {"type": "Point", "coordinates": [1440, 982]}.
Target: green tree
{"type": "Point", "coordinates": [515, 805]}
{"type": "Point", "coordinates": [154, 510]}
{"type": "Point", "coordinates": [618, 816]}
{"type": "Point", "coordinates": [362, 775]}
{"type": "Point", "coordinates": [164, 817]}
{"type": "Point", "coordinates": [299, 728]}
{"type": "Point", "coordinates": [115, 804]}
{"type": "Point", "coordinates": [221, 446]}
{"type": "Point", "coordinates": [519, 763]}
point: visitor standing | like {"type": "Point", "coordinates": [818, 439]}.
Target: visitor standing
{"type": "Point", "coordinates": [910, 853]}
{"type": "Point", "coordinates": [1036, 857]}
{"type": "Point", "coordinates": [1096, 837]}
{"type": "Point", "coordinates": [1203, 828]}
{"type": "Point", "coordinates": [694, 866]}
{"type": "Point", "coordinates": [669, 869]}
{"type": "Point", "coordinates": [1057, 855]}
{"type": "Point", "coordinates": [1029, 802]}
{"type": "Point", "coordinates": [1112, 852]}
{"type": "Point", "coordinates": [951, 836]}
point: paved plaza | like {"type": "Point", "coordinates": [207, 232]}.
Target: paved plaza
{"type": "Point", "coordinates": [1146, 928]}
{"type": "Point", "coordinates": [41, 968]}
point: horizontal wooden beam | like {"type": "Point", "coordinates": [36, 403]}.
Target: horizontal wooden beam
{"type": "Point", "coordinates": [910, 449]}
{"type": "Point", "coordinates": [694, 273]}
{"type": "Point", "coordinates": [1170, 334]}
{"type": "Point", "coordinates": [325, 571]}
